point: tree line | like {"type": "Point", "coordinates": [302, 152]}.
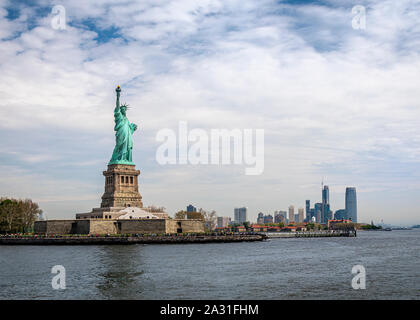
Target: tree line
{"type": "Point", "coordinates": [18, 215]}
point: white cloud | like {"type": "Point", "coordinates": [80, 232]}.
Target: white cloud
{"type": "Point", "coordinates": [333, 101]}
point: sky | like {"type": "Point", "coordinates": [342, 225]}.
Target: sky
{"type": "Point", "coordinates": [337, 104]}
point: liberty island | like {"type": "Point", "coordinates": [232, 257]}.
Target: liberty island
{"type": "Point", "coordinates": [121, 210]}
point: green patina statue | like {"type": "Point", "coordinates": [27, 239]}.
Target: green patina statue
{"type": "Point", "coordinates": [123, 133]}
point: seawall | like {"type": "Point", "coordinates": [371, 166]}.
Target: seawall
{"type": "Point", "coordinates": [109, 240]}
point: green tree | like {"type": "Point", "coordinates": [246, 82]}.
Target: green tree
{"type": "Point", "coordinates": [9, 215]}
{"type": "Point", "coordinates": [310, 226]}
{"type": "Point", "coordinates": [18, 215]}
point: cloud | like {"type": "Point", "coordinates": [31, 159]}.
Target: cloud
{"type": "Point", "coordinates": [334, 102]}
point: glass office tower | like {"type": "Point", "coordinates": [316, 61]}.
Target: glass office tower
{"type": "Point", "coordinates": [351, 203]}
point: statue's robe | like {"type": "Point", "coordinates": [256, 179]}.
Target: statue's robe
{"type": "Point", "coordinates": [124, 140]}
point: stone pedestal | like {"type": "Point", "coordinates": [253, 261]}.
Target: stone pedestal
{"type": "Point", "coordinates": [121, 187]}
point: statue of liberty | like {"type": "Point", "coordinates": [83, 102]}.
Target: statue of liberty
{"type": "Point", "coordinates": [123, 134]}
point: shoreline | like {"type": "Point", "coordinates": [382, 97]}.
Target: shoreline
{"type": "Point", "coordinates": [162, 239]}
{"type": "Point", "coordinates": [127, 240]}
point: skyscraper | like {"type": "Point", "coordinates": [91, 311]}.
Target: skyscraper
{"type": "Point", "coordinates": [318, 216]}
{"type": "Point", "coordinates": [308, 210]}
{"type": "Point", "coordinates": [325, 209]}
{"type": "Point", "coordinates": [317, 212]}
{"type": "Point", "coordinates": [241, 215]}
{"type": "Point", "coordinates": [301, 215]}
{"type": "Point", "coordinates": [260, 219]}
{"type": "Point", "coordinates": [351, 203]}
{"type": "Point", "coordinates": [326, 195]}
{"type": "Point", "coordinates": [340, 214]}
{"type": "Point", "coordinates": [291, 214]}
{"type": "Point", "coordinates": [312, 214]}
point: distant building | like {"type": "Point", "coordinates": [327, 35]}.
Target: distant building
{"type": "Point", "coordinates": [268, 219]}
{"type": "Point", "coordinates": [312, 214]}
{"type": "Point", "coordinates": [241, 215]}
{"type": "Point", "coordinates": [301, 216]}
{"type": "Point", "coordinates": [325, 209]}
{"type": "Point", "coordinates": [326, 213]}
{"type": "Point", "coordinates": [223, 222]}
{"type": "Point", "coordinates": [191, 208]}
{"type": "Point", "coordinates": [340, 214]}
{"type": "Point", "coordinates": [238, 229]}
{"type": "Point", "coordinates": [296, 217]}
{"type": "Point", "coordinates": [291, 214]}
{"type": "Point", "coordinates": [258, 228]}
{"type": "Point", "coordinates": [308, 209]}
{"type": "Point", "coordinates": [284, 216]}
{"type": "Point", "coordinates": [280, 216]}
{"type": "Point", "coordinates": [260, 219]}
{"type": "Point", "coordinates": [351, 203]}
{"type": "Point", "coordinates": [326, 194]}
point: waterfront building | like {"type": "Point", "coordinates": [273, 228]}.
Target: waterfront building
{"type": "Point", "coordinates": [291, 213]}
{"type": "Point", "coordinates": [241, 215]}
{"type": "Point", "coordinates": [191, 208]}
{"type": "Point", "coordinates": [351, 203]}
{"type": "Point", "coordinates": [258, 228]}
{"type": "Point", "coordinates": [334, 224]}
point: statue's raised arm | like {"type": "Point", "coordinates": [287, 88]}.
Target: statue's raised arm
{"type": "Point", "coordinates": [117, 103]}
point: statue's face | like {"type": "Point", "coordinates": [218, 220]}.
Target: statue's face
{"type": "Point", "coordinates": [123, 110]}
